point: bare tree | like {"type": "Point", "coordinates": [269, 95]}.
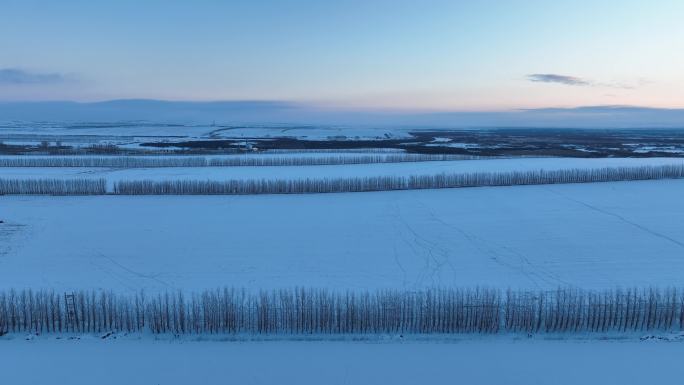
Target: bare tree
{"type": "Point", "coordinates": [302, 311]}
{"type": "Point", "coordinates": [232, 161]}
{"type": "Point", "coordinates": [53, 186]}
{"type": "Point", "coordinates": [385, 183]}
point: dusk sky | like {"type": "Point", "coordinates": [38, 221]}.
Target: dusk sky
{"type": "Point", "coordinates": [416, 55]}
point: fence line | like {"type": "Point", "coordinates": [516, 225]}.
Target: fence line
{"type": "Point", "coordinates": [384, 183]}
{"type": "Point", "coordinates": [321, 311]}
{"type": "Point", "coordinates": [236, 161]}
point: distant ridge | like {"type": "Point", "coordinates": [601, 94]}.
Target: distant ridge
{"type": "Point", "coordinates": [283, 112]}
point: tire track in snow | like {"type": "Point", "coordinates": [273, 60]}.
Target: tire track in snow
{"type": "Point", "coordinates": [133, 272]}
{"type": "Point", "coordinates": [401, 267]}
{"type": "Point", "coordinates": [484, 246]}
{"type": "Point", "coordinates": [8, 232]}
{"type": "Point", "coordinates": [432, 264]}
{"type": "Point", "coordinates": [619, 217]}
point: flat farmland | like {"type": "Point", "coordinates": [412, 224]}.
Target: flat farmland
{"type": "Point", "coordinates": [589, 236]}
{"type": "Point", "coordinates": [475, 362]}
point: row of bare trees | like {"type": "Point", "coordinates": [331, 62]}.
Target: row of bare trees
{"type": "Point", "coordinates": [87, 186]}
{"type": "Point", "coordinates": [233, 161]}
{"type": "Point", "coordinates": [384, 183]}
{"type": "Point", "coordinates": [81, 186]}
{"type": "Point", "coordinates": [321, 311]}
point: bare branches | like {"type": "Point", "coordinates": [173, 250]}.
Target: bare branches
{"type": "Point", "coordinates": [232, 161]}
{"type": "Point", "coordinates": [86, 186]}
{"type": "Point", "coordinates": [53, 186]}
{"type": "Point", "coordinates": [320, 311]}
{"type": "Point", "coordinates": [385, 183]}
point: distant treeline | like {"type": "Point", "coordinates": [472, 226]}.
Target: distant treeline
{"type": "Point", "coordinates": [80, 186]}
{"type": "Point", "coordinates": [320, 311]}
{"type": "Point", "coordinates": [384, 183]}
{"type": "Point", "coordinates": [234, 161]}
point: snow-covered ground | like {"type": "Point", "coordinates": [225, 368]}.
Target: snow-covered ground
{"type": "Point", "coordinates": [330, 171]}
{"type": "Point", "coordinates": [142, 130]}
{"type": "Point", "coordinates": [483, 361]}
{"type": "Point", "coordinates": [314, 133]}
{"type": "Point", "coordinates": [351, 153]}
{"type": "Point", "coordinates": [586, 235]}
{"type": "Point", "coordinates": [64, 130]}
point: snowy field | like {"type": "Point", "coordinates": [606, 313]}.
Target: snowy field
{"type": "Point", "coordinates": [143, 130]}
{"type": "Point", "coordinates": [473, 362]}
{"type": "Point", "coordinates": [105, 130]}
{"type": "Point", "coordinates": [313, 133]}
{"type": "Point", "coordinates": [589, 236]}
{"type": "Point", "coordinates": [250, 155]}
{"type": "Point", "coordinates": [585, 236]}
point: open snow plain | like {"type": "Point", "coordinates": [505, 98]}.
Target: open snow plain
{"type": "Point", "coordinates": [474, 362]}
{"type": "Point", "coordinates": [584, 236]}
{"type": "Point", "coordinates": [599, 235]}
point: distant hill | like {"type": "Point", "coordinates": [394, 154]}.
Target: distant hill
{"type": "Point", "coordinates": [278, 112]}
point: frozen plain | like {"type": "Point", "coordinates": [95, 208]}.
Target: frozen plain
{"type": "Point", "coordinates": [599, 235]}
{"type": "Point", "coordinates": [482, 361]}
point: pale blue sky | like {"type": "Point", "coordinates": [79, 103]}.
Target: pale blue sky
{"type": "Point", "coordinates": [444, 55]}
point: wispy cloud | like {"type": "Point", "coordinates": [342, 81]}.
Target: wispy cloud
{"type": "Point", "coordinates": [15, 76]}
{"type": "Point", "coordinates": [582, 82]}
{"type": "Point", "coordinates": [560, 79]}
